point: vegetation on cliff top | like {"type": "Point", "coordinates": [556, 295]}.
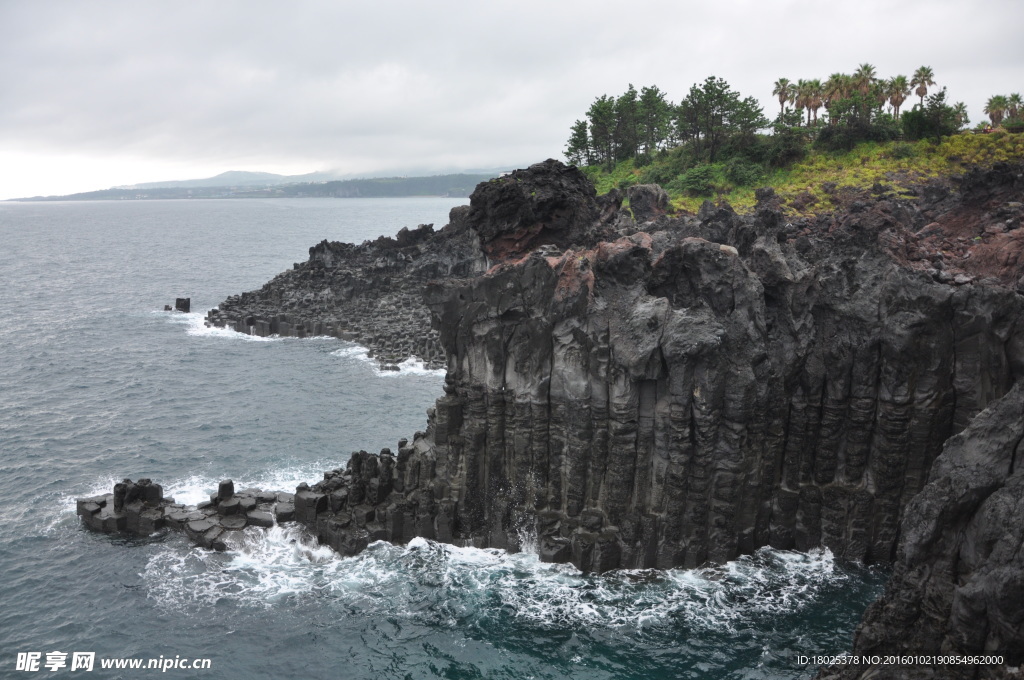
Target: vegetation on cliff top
{"type": "Point", "coordinates": [820, 178]}
{"type": "Point", "coordinates": [710, 145]}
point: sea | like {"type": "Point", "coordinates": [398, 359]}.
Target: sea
{"type": "Point", "coordinates": [98, 383]}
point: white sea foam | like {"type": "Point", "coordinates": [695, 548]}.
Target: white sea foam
{"type": "Point", "coordinates": [196, 489]}
{"type": "Point", "coordinates": [443, 584]}
{"type": "Point", "coordinates": [195, 325]}
{"type": "Point", "coordinates": [411, 366]}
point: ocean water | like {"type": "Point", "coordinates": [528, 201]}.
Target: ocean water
{"type": "Point", "coordinates": [96, 384]}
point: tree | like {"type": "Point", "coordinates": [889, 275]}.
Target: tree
{"type": "Point", "coordinates": [897, 89]}
{"type": "Point", "coordinates": [960, 114]}
{"type": "Point", "coordinates": [627, 125]}
{"type": "Point", "coordinates": [782, 91]}
{"type": "Point", "coordinates": [935, 119]}
{"type": "Point", "coordinates": [577, 151]}
{"type": "Point", "coordinates": [655, 113]}
{"type": "Point", "coordinates": [1014, 104]}
{"type": "Point", "coordinates": [746, 117]}
{"type": "Point", "coordinates": [601, 116]}
{"type": "Point", "coordinates": [996, 109]}
{"type": "Point", "coordinates": [803, 97]}
{"type": "Point", "coordinates": [880, 92]}
{"type": "Point", "coordinates": [864, 78]}
{"type": "Point", "coordinates": [835, 88]}
{"type": "Point", "coordinates": [922, 80]}
{"type": "Point", "coordinates": [713, 111]}
{"type": "Point", "coordinates": [815, 97]}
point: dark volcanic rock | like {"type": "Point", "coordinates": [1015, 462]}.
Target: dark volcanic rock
{"type": "Point", "coordinates": [706, 404]}
{"type": "Point", "coordinates": [647, 202]}
{"type": "Point", "coordinates": [373, 293]}
{"type": "Point", "coordinates": [183, 304]}
{"type": "Point", "coordinates": [370, 294]}
{"type": "Point", "coordinates": [687, 395]}
{"type": "Point", "coordinates": [547, 204]}
{"type": "Point", "coordinates": [958, 583]}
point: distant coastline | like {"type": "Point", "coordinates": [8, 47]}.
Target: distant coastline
{"type": "Point", "coordinates": [457, 185]}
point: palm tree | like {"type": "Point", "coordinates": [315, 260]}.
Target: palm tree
{"type": "Point", "coordinates": [815, 97]}
{"type": "Point", "coordinates": [834, 89]}
{"type": "Point", "coordinates": [880, 92]}
{"type": "Point", "coordinates": [864, 78]}
{"type": "Point", "coordinates": [898, 90]}
{"type": "Point", "coordinates": [782, 92]}
{"type": "Point", "coordinates": [1014, 104]}
{"type": "Point", "coordinates": [793, 94]}
{"type": "Point", "coordinates": [922, 80]}
{"type": "Point", "coordinates": [805, 96]}
{"type": "Point", "coordinates": [996, 109]}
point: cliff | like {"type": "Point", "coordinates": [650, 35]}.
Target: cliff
{"type": "Point", "coordinates": [637, 390]}
{"type": "Point", "coordinates": [958, 584]}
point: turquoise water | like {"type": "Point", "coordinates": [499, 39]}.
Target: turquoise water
{"type": "Point", "coordinates": [98, 384]}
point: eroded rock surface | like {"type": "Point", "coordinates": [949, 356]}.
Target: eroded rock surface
{"type": "Point", "coordinates": [957, 587]}
{"type": "Point", "coordinates": [371, 293]}
{"type": "Point", "coordinates": [693, 388]}
{"type": "Point", "coordinates": [139, 508]}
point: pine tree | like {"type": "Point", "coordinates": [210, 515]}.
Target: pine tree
{"type": "Point", "coordinates": [577, 151]}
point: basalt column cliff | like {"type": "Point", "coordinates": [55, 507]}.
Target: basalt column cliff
{"type": "Point", "coordinates": [641, 391]}
{"type": "Point", "coordinates": [705, 387]}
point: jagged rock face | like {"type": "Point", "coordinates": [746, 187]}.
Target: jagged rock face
{"type": "Point", "coordinates": [370, 293]}
{"type": "Point", "coordinates": [677, 397]}
{"type": "Point", "coordinates": [373, 293]}
{"type": "Point", "coordinates": [658, 402]}
{"type": "Point", "coordinates": [958, 582]}
{"type": "Point", "coordinates": [647, 202]}
{"type": "Point", "coordinates": [686, 395]}
{"type": "Point", "coordinates": [546, 204]}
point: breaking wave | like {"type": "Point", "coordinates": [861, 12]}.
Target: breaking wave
{"type": "Point", "coordinates": [411, 366]}
{"type": "Point", "coordinates": [195, 325]}
{"type": "Point", "coordinates": [438, 584]}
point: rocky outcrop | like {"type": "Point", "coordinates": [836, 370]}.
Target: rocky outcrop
{"type": "Point", "coordinates": [647, 202]}
{"type": "Point", "coordinates": [547, 205]}
{"type": "Point", "coordinates": [668, 400]}
{"type": "Point", "coordinates": [369, 293]}
{"type": "Point", "coordinates": [958, 582]}
{"type": "Point", "coordinates": [693, 388]}
{"type": "Point", "coordinates": [139, 509]}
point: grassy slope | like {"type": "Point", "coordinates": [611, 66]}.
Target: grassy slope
{"type": "Point", "coordinates": [894, 165]}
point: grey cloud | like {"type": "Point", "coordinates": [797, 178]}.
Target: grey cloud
{"type": "Point", "coordinates": [398, 84]}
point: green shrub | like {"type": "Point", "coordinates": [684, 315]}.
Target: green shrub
{"type": "Point", "coordinates": [788, 145]}
{"type": "Point", "coordinates": [742, 172]}
{"type": "Point", "coordinates": [669, 165]}
{"type": "Point", "coordinates": [935, 119]}
{"type": "Point", "coordinates": [845, 137]}
{"type": "Point", "coordinates": [1015, 125]}
{"type": "Point", "coordinates": [696, 181]}
{"type": "Point", "coordinates": [902, 150]}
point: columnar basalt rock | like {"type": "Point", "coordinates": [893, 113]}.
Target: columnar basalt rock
{"type": "Point", "coordinates": [139, 509]}
{"type": "Point", "coordinates": [958, 584]}
{"type": "Point", "coordinates": [688, 393]}
{"type": "Point", "coordinates": [668, 403]}
{"type": "Point", "coordinates": [370, 293]}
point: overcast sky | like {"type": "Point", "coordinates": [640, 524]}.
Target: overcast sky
{"type": "Point", "coordinates": [96, 94]}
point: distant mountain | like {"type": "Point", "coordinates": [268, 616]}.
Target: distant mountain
{"type": "Point", "coordinates": [261, 185]}
{"type": "Point", "coordinates": [236, 178]}
{"type": "Point", "coordinates": [243, 178]}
